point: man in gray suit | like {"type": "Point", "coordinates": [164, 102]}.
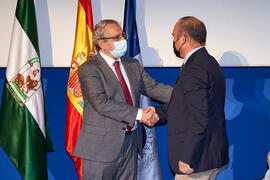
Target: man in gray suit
{"type": "Point", "coordinates": [111, 134]}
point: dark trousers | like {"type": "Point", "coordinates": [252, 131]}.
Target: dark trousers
{"type": "Point", "coordinates": [123, 167]}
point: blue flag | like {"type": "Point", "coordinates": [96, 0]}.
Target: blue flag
{"type": "Point", "coordinates": [130, 28]}
{"type": "Point", "coordinates": [148, 167]}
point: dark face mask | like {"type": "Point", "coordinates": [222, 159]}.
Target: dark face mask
{"type": "Point", "coordinates": [177, 53]}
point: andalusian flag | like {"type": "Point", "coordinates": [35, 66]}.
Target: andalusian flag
{"type": "Point", "coordinates": [24, 133]}
{"type": "Point", "coordinates": [148, 166]}
{"type": "Point", "coordinates": [83, 50]}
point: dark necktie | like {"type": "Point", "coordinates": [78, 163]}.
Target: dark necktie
{"type": "Point", "coordinates": [124, 86]}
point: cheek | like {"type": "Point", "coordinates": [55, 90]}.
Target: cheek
{"type": "Point", "coordinates": [109, 46]}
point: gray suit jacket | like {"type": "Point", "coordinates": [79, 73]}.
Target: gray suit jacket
{"type": "Point", "coordinates": [106, 113]}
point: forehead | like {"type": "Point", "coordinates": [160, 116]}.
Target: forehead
{"type": "Point", "coordinates": [175, 29]}
{"type": "Point", "coordinates": [174, 33]}
{"type": "Point", "coordinates": [112, 29]}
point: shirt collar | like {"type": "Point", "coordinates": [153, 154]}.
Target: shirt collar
{"type": "Point", "coordinates": [108, 59]}
{"type": "Point", "coordinates": [190, 53]}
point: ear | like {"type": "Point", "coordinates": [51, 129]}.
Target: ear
{"type": "Point", "coordinates": [184, 37]}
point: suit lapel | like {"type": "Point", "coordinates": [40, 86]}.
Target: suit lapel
{"type": "Point", "coordinates": [193, 56]}
{"type": "Point", "coordinates": [104, 67]}
{"type": "Point", "coordinates": [189, 62]}
{"type": "Point", "coordinates": [130, 74]}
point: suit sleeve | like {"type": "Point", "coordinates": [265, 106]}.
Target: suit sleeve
{"type": "Point", "coordinates": [196, 96]}
{"type": "Point", "coordinates": [93, 90]}
{"type": "Point", "coordinates": [154, 90]}
{"type": "Point", "coordinates": [162, 114]}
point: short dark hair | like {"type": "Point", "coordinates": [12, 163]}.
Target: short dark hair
{"type": "Point", "coordinates": [193, 27]}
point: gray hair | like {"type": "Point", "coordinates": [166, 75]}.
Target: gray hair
{"type": "Point", "coordinates": [99, 31]}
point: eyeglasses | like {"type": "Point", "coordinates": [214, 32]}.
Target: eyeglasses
{"type": "Point", "coordinates": [117, 37]}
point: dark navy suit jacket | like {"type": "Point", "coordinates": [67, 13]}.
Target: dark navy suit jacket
{"type": "Point", "coordinates": [195, 115]}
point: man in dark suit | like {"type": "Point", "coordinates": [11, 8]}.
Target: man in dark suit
{"type": "Point", "coordinates": [111, 84]}
{"type": "Point", "coordinates": [197, 140]}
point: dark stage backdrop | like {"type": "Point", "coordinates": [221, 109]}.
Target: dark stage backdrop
{"type": "Point", "coordinates": [247, 116]}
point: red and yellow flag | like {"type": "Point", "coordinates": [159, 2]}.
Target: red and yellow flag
{"type": "Point", "coordinates": [83, 50]}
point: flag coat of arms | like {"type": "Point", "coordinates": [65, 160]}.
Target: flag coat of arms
{"type": "Point", "coordinates": [83, 50]}
{"type": "Point", "coordinates": [24, 133]}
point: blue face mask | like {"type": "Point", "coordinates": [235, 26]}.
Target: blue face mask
{"type": "Point", "coordinates": [120, 48]}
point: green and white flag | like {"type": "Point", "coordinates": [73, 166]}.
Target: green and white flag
{"type": "Point", "coordinates": [24, 133]}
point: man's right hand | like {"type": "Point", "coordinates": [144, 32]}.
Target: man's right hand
{"type": "Point", "coordinates": [149, 116]}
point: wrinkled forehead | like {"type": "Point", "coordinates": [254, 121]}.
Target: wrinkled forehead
{"type": "Point", "coordinates": [112, 29]}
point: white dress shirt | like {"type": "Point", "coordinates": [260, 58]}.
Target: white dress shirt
{"type": "Point", "coordinates": [267, 175]}
{"type": "Point", "coordinates": [110, 62]}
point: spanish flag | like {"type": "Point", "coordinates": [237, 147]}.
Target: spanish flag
{"type": "Point", "coordinates": [83, 50]}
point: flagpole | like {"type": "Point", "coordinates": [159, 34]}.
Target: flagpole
{"type": "Point", "coordinates": [24, 132]}
{"type": "Point", "coordinates": [83, 50]}
{"type": "Point", "coordinates": [148, 167]}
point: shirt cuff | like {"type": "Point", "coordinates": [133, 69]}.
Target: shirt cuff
{"type": "Point", "coordinates": [139, 115]}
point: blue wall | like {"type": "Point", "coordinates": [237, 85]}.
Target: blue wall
{"type": "Point", "coordinates": [247, 115]}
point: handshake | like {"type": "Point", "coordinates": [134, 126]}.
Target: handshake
{"type": "Point", "coordinates": [149, 116]}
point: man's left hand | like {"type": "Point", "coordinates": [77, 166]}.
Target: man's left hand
{"type": "Point", "coordinates": [185, 168]}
